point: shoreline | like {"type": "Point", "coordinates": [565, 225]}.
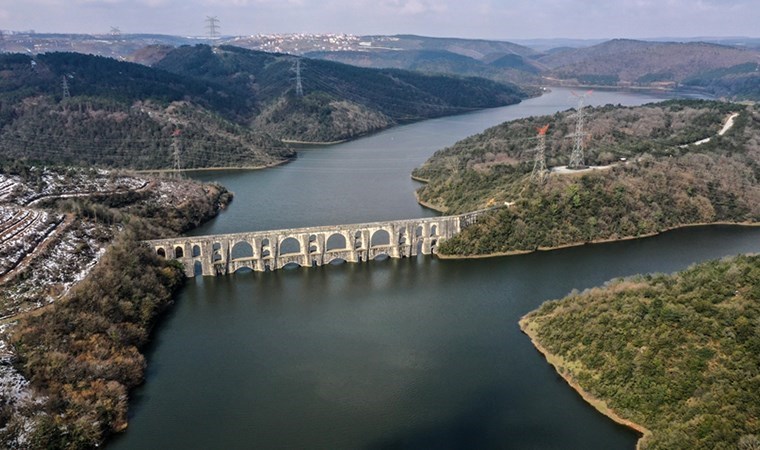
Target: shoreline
{"type": "Point", "coordinates": [600, 405]}
{"type": "Point", "coordinates": [212, 169]}
{"type": "Point", "coordinates": [427, 205]}
{"type": "Point", "coordinates": [396, 123]}
{"type": "Point", "coordinates": [600, 241]}
{"type": "Point", "coordinates": [690, 90]}
{"type": "Point", "coordinates": [297, 142]}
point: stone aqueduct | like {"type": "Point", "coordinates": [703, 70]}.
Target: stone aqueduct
{"type": "Point", "coordinates": [271, 250]}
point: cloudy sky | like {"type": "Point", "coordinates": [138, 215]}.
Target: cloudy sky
{"type": "Point", "coordinates": [492, 19]}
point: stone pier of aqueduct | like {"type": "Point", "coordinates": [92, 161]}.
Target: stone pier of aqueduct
{"type": "Point", "coordinates": [307, 247]}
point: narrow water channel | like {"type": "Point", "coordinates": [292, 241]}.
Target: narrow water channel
{"type": "Point", "coordinates": [414, 353]}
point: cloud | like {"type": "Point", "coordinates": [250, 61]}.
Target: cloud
{"type": "Point", "coordinates": [499, 19]}
{"type": "Point", "coordinates": [98, 2]}
{"type": "Point", "coordinates": [44, 2]}
{"type": "Point", "coordinates": [241, 3]}
{"type": "Point", "coordinates": [150, 3]}
{"type": "Point", "coordinates": [413, 7]}
{"type": "Point", "coordinates": [155, 3]}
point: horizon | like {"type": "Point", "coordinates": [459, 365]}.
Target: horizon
{"type": "Point", "coordinates": [10, 32]}
{"type": "Point", "coordinates": [480, 19]}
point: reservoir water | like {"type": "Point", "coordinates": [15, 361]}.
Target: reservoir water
{"type": "Point", "coordinates": [393, 354]}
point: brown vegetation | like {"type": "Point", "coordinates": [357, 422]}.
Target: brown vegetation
{"type": "Point", "coordinates": [664, 183]}
{"type": "Point", "coordinates": [646, 62]}
{"type": "Point", "coordinates": [81, 353]}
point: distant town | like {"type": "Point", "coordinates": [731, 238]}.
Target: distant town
{"type": "Point", "coordinates": [116, 44]}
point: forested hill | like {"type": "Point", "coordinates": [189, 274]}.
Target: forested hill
{"type": "Point", "coordinates": [222, 107]}
{"type": "Point", "coordinates": [339, 101]}
{"type": "Point", "coordinates": [676, 354]}
{"type": "Point", "coordinates": [123, 115]}
{"type": "Point", "coordinates": [720, 70]}
{"type": "Point", "coordinates": [496, 60]}
{"type": "Point", "coordinates": [666, 181]}
{"type": "Point", "coordinates": [504, 68]}
{"type": "Point", "coordinates": [632, 60]}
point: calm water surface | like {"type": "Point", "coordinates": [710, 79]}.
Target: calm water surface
{"type": "Point", "coordinates": [415, 353]}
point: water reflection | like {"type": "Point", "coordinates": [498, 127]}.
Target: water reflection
{"type": "Point", "coordinates": [413, 353]}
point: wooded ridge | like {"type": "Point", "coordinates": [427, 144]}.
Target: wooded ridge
{"type": "Point", "coordinates": [677, 354]}
{"type": "Point", "coordinates": [664, 181]}
{"type": "Point", "coordinates": [215, 107]}
{"type": "Point", "coordinates": [76, 353]}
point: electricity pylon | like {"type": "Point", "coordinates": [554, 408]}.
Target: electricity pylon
{"type": "Point", "coordinates": [65, 87]}
{"type": "Point", "coordinates": [577, 157]}
{"type": "Point", "coordinates": [299, 83]}
{"type": "Point", "coordinates": [540, 173]}
{"type": "Point", "coordinates": [212, 25]}
{"type": "Point", "coordinates": [176, 150]}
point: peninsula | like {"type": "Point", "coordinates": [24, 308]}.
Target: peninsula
{"type": "Point", "coordinates": [675, 357]}
{"type": "Point", "coordinates": [666, 165]}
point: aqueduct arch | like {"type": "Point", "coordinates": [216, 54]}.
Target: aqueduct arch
{"type": "Point", "coordinates": [271, 250]}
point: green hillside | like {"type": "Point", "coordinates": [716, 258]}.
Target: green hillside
{"type": "Point", "coordinates": [630, 60]}
{"type": "Point", "coordinates": [676, 354]}
{"type": "Point", "coordinates": [665, 181]}
{"type": "Point", "coordinates": [221, 107]}
{"type": "Point", "coordinates": [474, 48]}
{"type": "Point", "coordinates": [96, 76]}
{"type": "Point", "coordinates": [741, 81]}
{"type": "Point", "coordinates": [339, 101]}
{"type": "Point", "coordinates": [498, 67]}
{"type": "Point", "coordinates": [719, 70]}
{"type": "Point", "coordinates": [122, 115]}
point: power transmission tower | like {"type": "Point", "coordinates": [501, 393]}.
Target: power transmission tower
{"type": "Point", "coordinates": [177, 152]}
{"type": "Point", "coordinates": [212, 25]}
{"type": "Point", "coordinates": [577, 157]}
{"type": "Point", "coordinates": [540, 173]}
{"type": "Point", "coordinates": [65, 86]}
{"type": "Point", "coordinates": [299, 84]}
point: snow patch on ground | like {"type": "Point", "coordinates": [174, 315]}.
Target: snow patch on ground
{"type": "Point", "coordinates": [21, 231]}
{"type": "Point", "coordinates": [53, 274]}
{"type": "Point", "coordinates": [43, 254]}
{"type": "Point", "coordinates": [15, 392]}
{"type": "Point", "coordinates": [40, 183]}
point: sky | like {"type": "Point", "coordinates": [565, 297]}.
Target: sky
{"type": "Point", "coordinates": [488, 19]}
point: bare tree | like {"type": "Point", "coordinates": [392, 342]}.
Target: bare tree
{"type": "Point", "coordinates": [749, 442]}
